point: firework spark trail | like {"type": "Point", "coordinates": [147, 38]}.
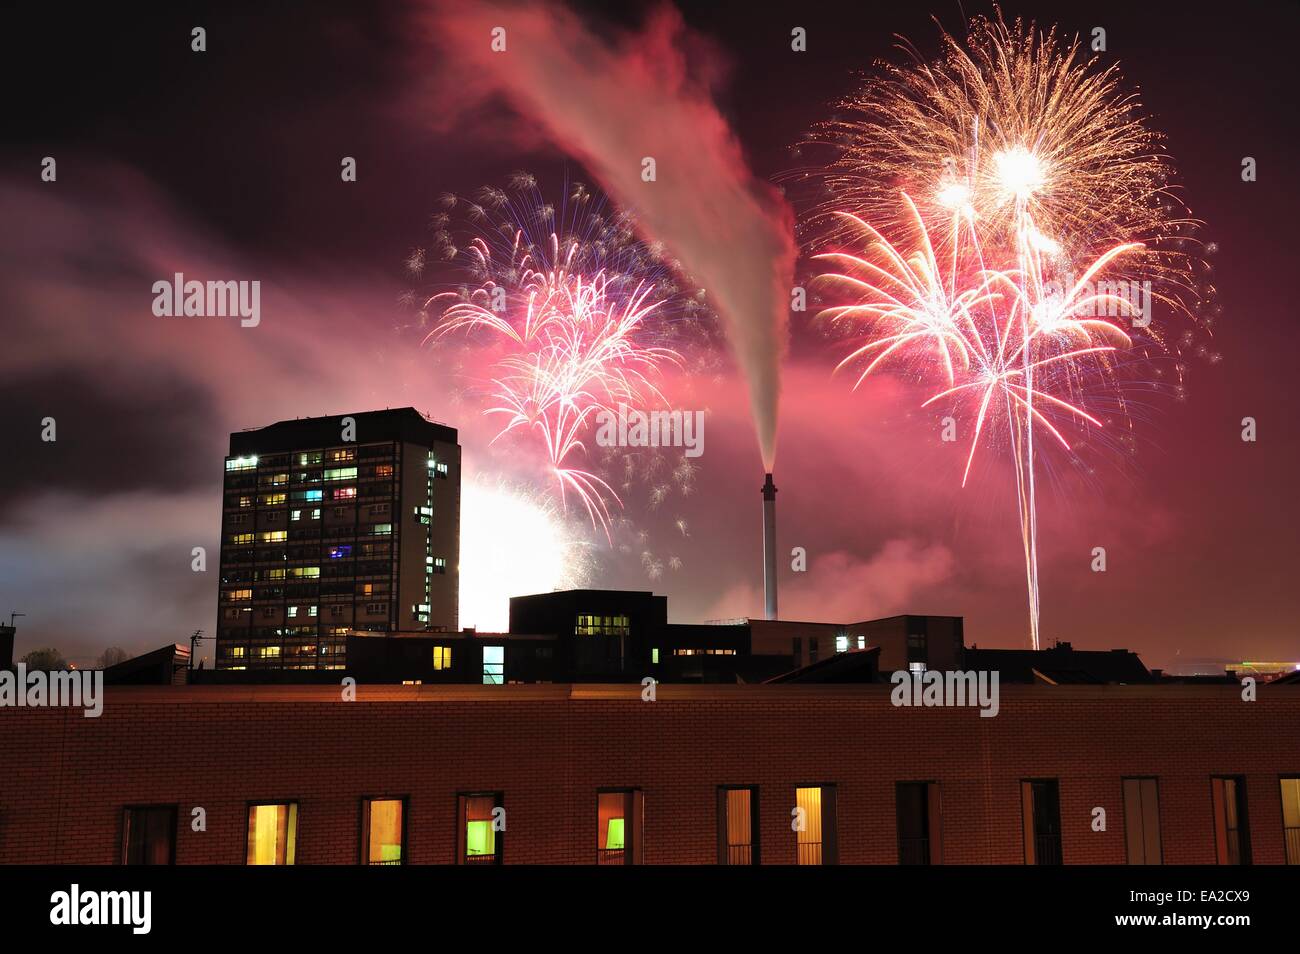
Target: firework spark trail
{"type": "Point", "coordinates": [572, 338]}
{"type": "Point", "coordinates": [1036, 160]}
{"type": "Point", "coordinates": [990, 339]}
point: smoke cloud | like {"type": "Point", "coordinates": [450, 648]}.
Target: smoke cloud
{"type": "Point", "coordinates": [615, 105]}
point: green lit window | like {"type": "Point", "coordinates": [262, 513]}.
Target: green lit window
{"type": "Point", "coordinates": [481, 828]}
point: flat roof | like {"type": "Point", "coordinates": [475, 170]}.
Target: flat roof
{"type": "Point", "coordinates": [631, 692]}
{"type": "Point", "coordinates": [393, 424]}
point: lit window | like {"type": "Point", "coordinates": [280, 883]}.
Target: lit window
{"type": "Point", "coordinates": [273, 500]}
{"type": "Point", "coordinates": [480, 829]}
{"type": "Point", "coordinates": [620, 822]}
{"type": "Point", "coordinates": [588, 625]}
{"type": "Point", "coordinates": [272, 834]}
{"type": "Point", "coordinates": [738, 844]}
{"type": "Point", "coordinates": [494, 665]}
{"type": "Point", "coordinates": [654, 655]}
{"type": "Point", "coordinates": [381, 529]}
{"type": "Point", "coordinates": [815, 835]}
{"type": "Point", "coordinates": [273, 536]}
{"type": "Point", "coordinates": [341, 473]}
{"type": "Point", "coordinates": [234, 595]}
{"type": "Point", "coordinates": [339, 456]}
{"type": "Point", "coordinates": [384, 470]}
{"type": "Point", "coordinates": [311, 611]}
{"type": "Point", "coordinates": [305, 572]}
{"type": "Point", "coordinates": [292, 611]}
{"type": "Point", "coordinates": [841, 644]}
{"type": "Point", "coordinates": [441, 657]}
{"type": "Point", "coordinates": [295, 515]}
{"type": "Point", "coordinates": [312, 496]}
{"type": "Point", "coordinates": [344, 493]}
{"type": "Point", "coordinates": [315, 514]}
{"type": "Point", "coordinates": [245, 501]}
{"type": "Point", "coordinates": [1291, 819]}
{"type": "Point", "coordinates": [339, 552]}
{"type": "Point", "coordinates": [241, 463]}
{"type": "Point", "coordinates": [382, 831]}
{"type": "Point", "coordinates": [241, 539]}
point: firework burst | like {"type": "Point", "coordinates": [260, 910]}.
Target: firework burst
{"type": "Point", "coordinates": [573, 313]}
{"type": "Point", "coordinates": [1023, 198]}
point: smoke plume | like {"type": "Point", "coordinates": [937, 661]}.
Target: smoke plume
{"type": "Point", "coordinates": [615, 104]}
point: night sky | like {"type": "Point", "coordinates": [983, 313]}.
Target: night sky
{"type": "Point", "coordinates": [226, 164]}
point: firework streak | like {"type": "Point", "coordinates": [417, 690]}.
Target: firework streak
{"type": "Point", "coordinates": [1023, 199]}
{"type": "Point", "coordinates": [573, 346]}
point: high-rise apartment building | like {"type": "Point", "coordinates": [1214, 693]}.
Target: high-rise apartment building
{"type": "Point", "coordinates": [331, 524]}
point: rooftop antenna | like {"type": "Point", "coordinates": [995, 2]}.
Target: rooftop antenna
{"type": "Point", "coordinates": [14, 616]}
{"type": "Point", "coordinates": [198, 635]}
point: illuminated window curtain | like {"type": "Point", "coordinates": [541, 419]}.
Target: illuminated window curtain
{"type": "Point", "coordinates": [809, 841]}
{"type": "Point", "coordinates": [385, 843]}
{"type": "Point", "coordinates": [1291, 819]}
{"type": "Point", "coordinates": [480, 839]}
{"type": "Point", "coordinates": [740, 844]}
{"type": "Point", "coordinates": [611, 828]}
{"type": "Point", "coordinates": [272, 833]}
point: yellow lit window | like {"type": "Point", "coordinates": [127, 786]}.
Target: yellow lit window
{"type": "Point", "coordinates": [383, 831]}
{"type": "Point", "coordinates": [272, 834]}
{"type": "Point", "coordinates": [241, 538]}
{"type": "Point", "coordinates": [239, 594]}
{"type": "Point", "coordinates": [441, 657]}
{"type": "Point", "coordinates": [809, 835]}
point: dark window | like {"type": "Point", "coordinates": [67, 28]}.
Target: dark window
{"type": "Point", "coordinates": [1040, 803]}
{"type": "Point", "coordinates": [816, 837]}
{"type": "Point", "coordinates": [149, 835]}
{"type": "Point", "coordinates": [918, 809]}
{"type": "Point", "coordinates": [480, 828]}
{"type": "Point", "coordinates": [1231, 828]}
{"type": "Point", "coordinates": [1142, 821]}
{"type": "Point", "coordinates": [620, 827]}
{"type": "Point", "coordinates": [738, 826]}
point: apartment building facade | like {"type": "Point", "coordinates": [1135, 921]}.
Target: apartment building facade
{"type": "Point", "coordinates": [602, 774]}
{"type": "Point", "coordinates": [332, 524]}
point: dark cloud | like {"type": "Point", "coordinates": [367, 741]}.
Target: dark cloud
{"type": "Point", "coordinates": [155, 432]}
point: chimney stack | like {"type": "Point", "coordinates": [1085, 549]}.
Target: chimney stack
{"type": "Point", "coordinates": [769, 547]}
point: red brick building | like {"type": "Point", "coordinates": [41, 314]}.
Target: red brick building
{"type": "Point", "coordinates": [544, 752]}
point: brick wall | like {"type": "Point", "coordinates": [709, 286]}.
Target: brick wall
{"type": "Point", "coordinates": [549, 748]}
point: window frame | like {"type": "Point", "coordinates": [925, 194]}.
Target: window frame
{"type": "Point", "coordinates": [634, 834]}
{"type": "Point", "coordinates": [830, 840]}
{"type": "Point", "coordinates": [755, 845]}
{"type": "Point", "coordinates": [296, 807]}
{"type": "Point", "coordinates": [124, 834]}
{"type": "Point", "coordinates": [1160, 835]}
{"type": "Point", "coordinates": [462, 833]}
{"type": "Point", "coordinates": [364, 838]}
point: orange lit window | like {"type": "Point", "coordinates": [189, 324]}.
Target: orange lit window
{"type": "Point", "coordinates": [272, 834]}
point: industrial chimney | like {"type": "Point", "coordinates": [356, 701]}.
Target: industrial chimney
{"type": "Point", "coordinates": [769, 546]}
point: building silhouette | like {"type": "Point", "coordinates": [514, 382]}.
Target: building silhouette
{"type": "Point", "coordinates": [331, 524]}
